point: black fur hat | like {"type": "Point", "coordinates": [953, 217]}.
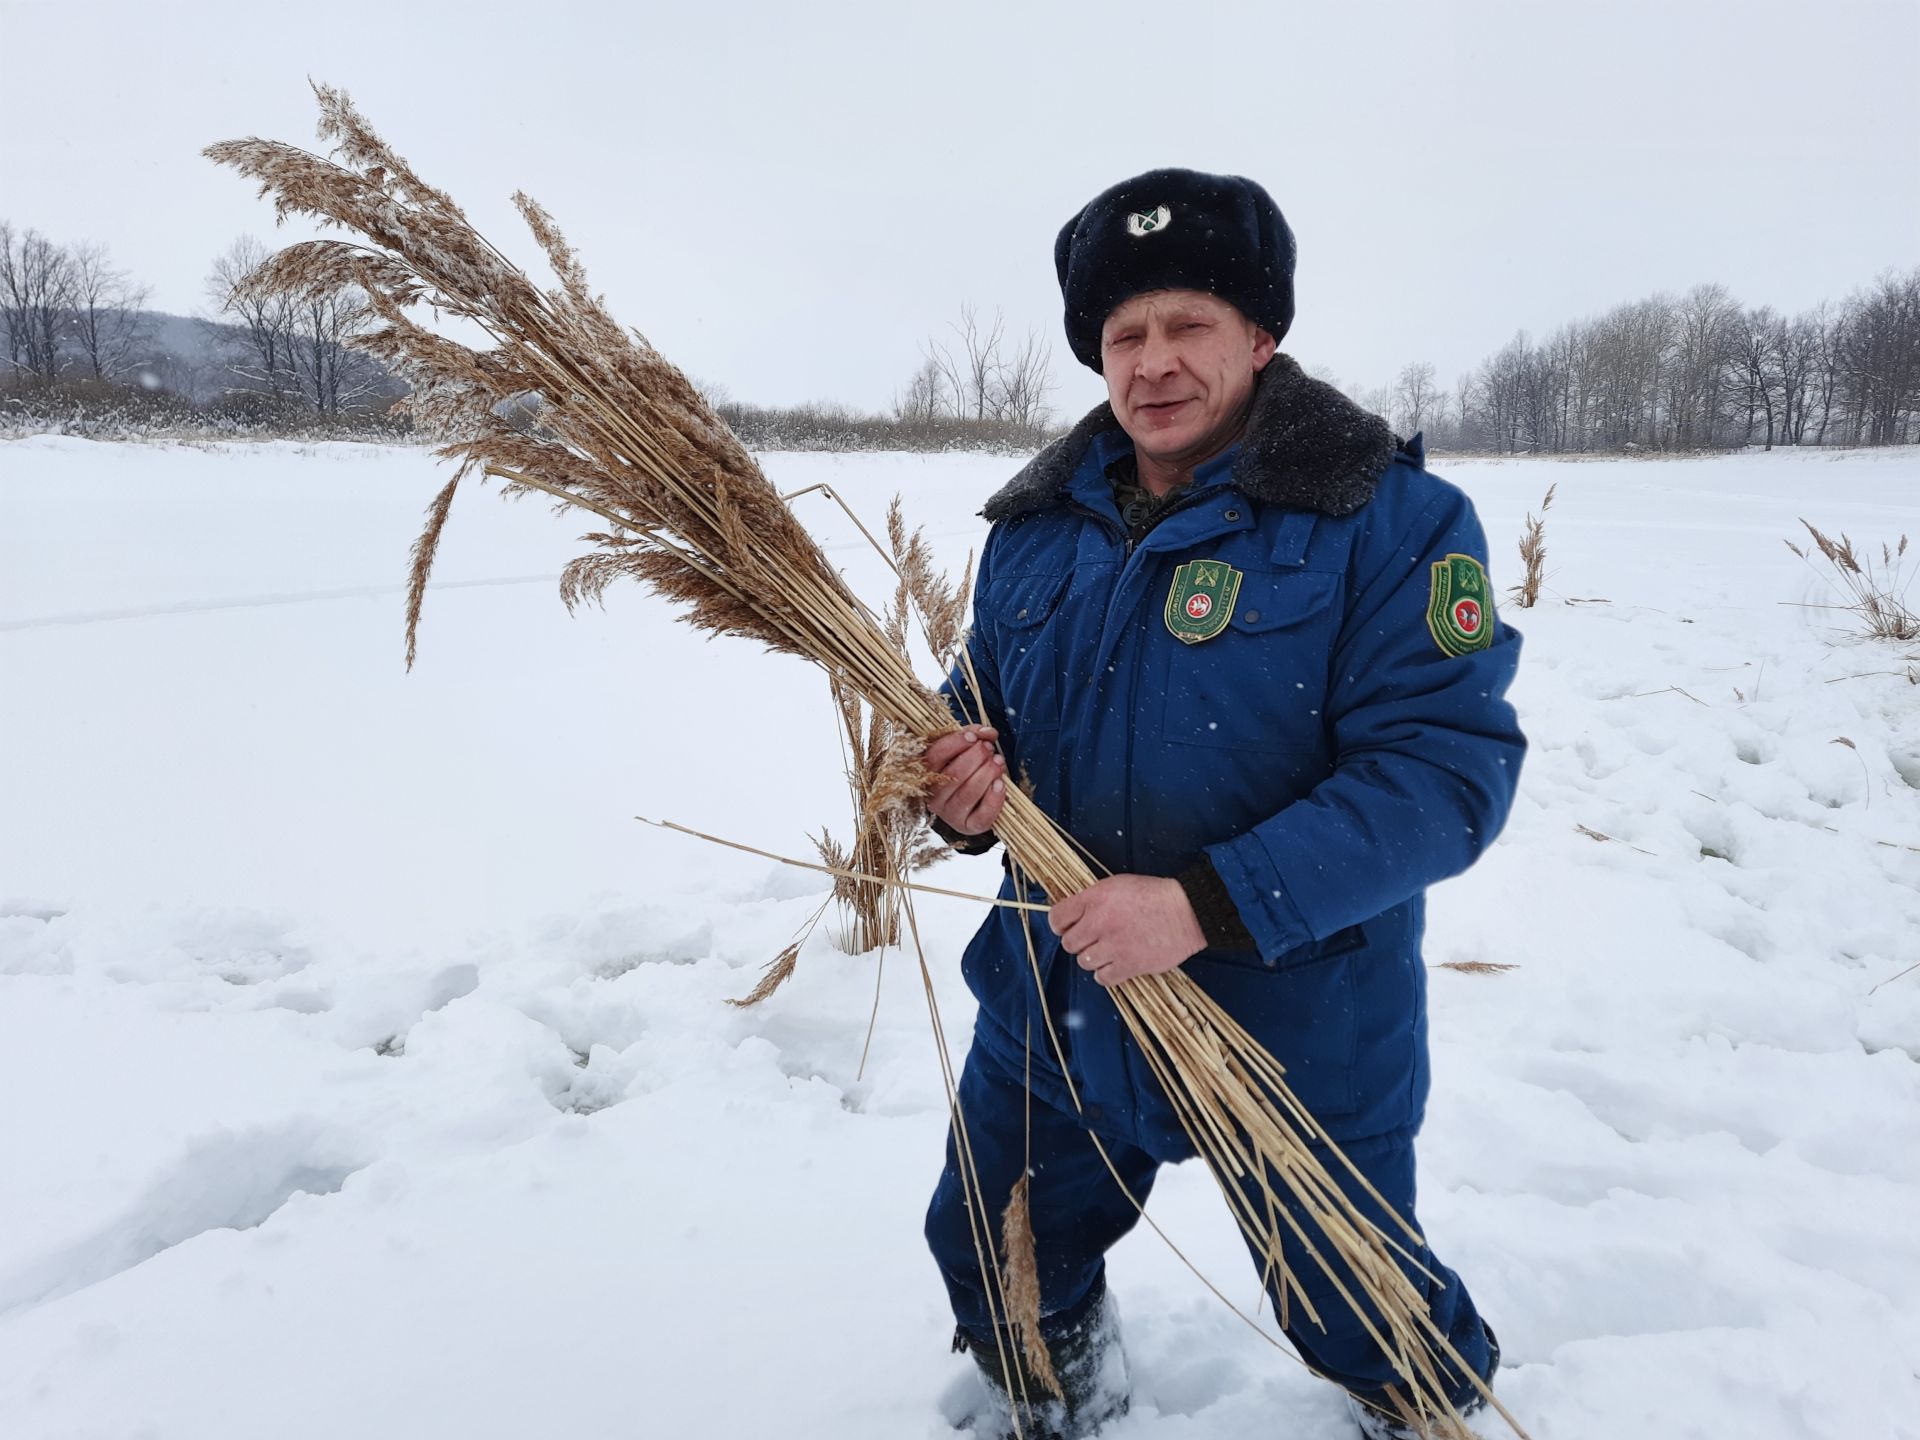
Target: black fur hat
{"type": "Point", "coordinates": [1175, 230]}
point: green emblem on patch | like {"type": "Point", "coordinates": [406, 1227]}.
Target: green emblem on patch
{"type": "Point", "coordinates": [1458, 611]}
{"type": "Point", "coordinates": [1201, 600]}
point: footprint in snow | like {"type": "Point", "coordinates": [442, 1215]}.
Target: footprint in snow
{"type": "Point", "coordinates": [225, 1181]}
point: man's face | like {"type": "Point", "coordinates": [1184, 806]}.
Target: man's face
{"type": "Point", "coordinates": [1180, 366]}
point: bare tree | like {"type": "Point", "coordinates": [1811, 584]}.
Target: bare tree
{"type": "Point", "coordinates": [925, 397]}
{"type": "Point", "coordinates": [968, 377]}
{"type": "Point", "coordinates": [1468, 435]}
{"type": "Point", "coordinates": [1413, 395]}
{"type": "Point", "coordinates": [1880, 359]}
{"type": "Point", "coordinates": [985, 378]}
{"type": "Point", "coordinates": [1754, 347]}
{"type": "Point", "coordinates": [1503, 395]}
{"type": "Point", "coordinates": [1705, 343]}
{"type": "Point", "coordinates": [978, 347]}
{"type": "Point", "coordinates": [266, 320]}
{"type": "Point", "coordinates": [1624, 360]}
{"type": "Point", "coordinates": [1567, 360]}
{"type": "Point", "coordinates": [715, 392]}
{"type": "Point", "coordinates": [1442, 427]}
{"type": "Point", "coordinates": [36, 300]}
{"type": "Point", "coordinates": [1825, 384]}
{"type": "Point", "coordinates": [1022, 379]}
{"type": "Point", "coordinates": [1797, 358]}
{"type": "Point", "coordinates": [108, 324]}
{"type": "Point", "coordinates": [333, 377]}
{"type": "Point", "coordinates": [296, 346]}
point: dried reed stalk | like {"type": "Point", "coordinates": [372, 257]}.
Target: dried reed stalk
{"type": "Point", "coordinates": [888, 784]}
{"type": "Point", "coordinates": [1879, 594]}
{"type": "Point", "coordinates": [621, 433]}
{"type": "Point", "coordinates": [775, 973]}
{"type": "Point", "coordinates": [1023, 1288]}
{"type": "Point", "coordinates": [1533, 555]}
{"type": "Point", "coordinates": [892, 881]}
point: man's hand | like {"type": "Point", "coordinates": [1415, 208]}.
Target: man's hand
{"type": "Point", "coordinates": [1128, 925]}
{"type": "Point", "coordinates": [975, 788]}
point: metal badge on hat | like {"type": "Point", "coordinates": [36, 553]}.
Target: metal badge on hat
{"type": "Point", "coordinates": [1147, 223]}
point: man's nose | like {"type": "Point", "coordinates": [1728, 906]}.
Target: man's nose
{"type": "Point", "coordinates": [1158, 357]}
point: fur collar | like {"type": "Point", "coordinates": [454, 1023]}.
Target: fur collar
{"type": "Point", "coordinates": [1306, 445]}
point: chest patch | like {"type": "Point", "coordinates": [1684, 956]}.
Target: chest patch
{"type": "Point", "coordinates": [1201, 600]}
{"type": "Point", "coordinates": [1457, 610]}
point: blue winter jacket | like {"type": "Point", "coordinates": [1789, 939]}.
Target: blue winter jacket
{"type": "Point", "coordinates": [1325, 751]}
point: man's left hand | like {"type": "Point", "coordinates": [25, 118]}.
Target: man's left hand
{"type": "Point", "coordinates": [1128, 925]}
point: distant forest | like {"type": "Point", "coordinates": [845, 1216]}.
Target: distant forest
{"type": "Point", "coordinates": [81, 353]}
{"type": "Point", "coordinates": [1696, 372]}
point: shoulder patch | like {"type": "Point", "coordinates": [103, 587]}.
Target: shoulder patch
{"type": "Point", "coordinates": [1458, 611]}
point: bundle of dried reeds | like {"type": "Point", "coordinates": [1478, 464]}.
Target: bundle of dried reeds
{"type": "Point", "coordinates": [892, 831]}
{"type": "Point", "coordinates": [892, 837]}
{"type": "Point", "coordinates": [621, 433]}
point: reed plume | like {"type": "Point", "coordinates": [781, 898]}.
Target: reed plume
{"type": "Point", "coordinates": [775, 973]}
{"type": "Point", "coordinates": [1878, 594]}
{"type": "Point", "coordinates": [1023, 1288]}
{"type": "Point", "coordinates": [686, 511]}
{"type": "Point", "coordinates": [1533, 555]}
{"type": "Point", "coordinates": [888, 785]}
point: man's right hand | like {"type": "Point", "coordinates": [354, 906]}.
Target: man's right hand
{"type": "Point", "coordinates": [975, 788]}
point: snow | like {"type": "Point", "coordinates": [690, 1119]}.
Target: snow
{"type": "Point", "coordinates": [363, 1061]}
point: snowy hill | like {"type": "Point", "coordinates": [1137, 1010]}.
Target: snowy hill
{"type": "Point", "coordinates": [363, 1066]}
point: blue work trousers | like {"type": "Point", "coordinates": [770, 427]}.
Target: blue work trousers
{"type": "Point", "coordinates": [1079, 1212]}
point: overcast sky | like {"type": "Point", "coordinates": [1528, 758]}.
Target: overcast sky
{"type": "Point", "coordinates": [789, 198]}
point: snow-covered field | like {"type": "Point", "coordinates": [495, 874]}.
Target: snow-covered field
{"type": "Point", "coordinates": [363, 1069]}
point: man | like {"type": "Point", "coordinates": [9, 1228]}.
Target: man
{"type": "Point", "coordinates": [1242, 646]}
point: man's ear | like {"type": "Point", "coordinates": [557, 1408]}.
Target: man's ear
{"type": "Point", "coordinates": [1264, 346]}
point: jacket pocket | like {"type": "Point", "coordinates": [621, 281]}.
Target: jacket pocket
{"type": "Point", "coordinates": [1027, 650]}
{"type": "Point", "coordinates": [1304, 1009]}
{"type": "Point", "coordinates": [1261, 682]}
{"type": "Point", "coordinates": [1340, 942]}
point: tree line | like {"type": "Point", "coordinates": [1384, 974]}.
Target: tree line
{"type": "Point", "coordinates": [78, 348]}
{"type": "Point", "coordinates": [1692, 372]}
{"type": "Point", "coordinates": [981, 389]}
{"type": "Point", "coordinates": [76, 337]}
{"type": "Point", "coordinates": [1665, 373]}
{"type": "Point", "coordinates": [66, 308]}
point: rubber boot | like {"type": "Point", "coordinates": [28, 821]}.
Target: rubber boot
{"type": "Point", "coordinates": [1089, 1362]}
